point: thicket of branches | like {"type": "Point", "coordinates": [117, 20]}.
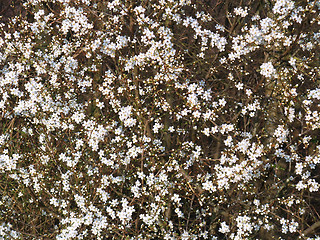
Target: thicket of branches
{"type": "Point", "coordinates": [160, 119]}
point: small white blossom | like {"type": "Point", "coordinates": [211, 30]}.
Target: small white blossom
{"type": "Point", "coordinates": [224, 228]}
{"type": "Point", "coordinates": [267, 70]}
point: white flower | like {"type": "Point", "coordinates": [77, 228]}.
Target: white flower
{"type": "Point", "coordinates": [248, 92]}
{"type": "Point", "coordinates": [125, 113]}
{"type": "Point", "coordinates": [283, 7]}
{"type": "Point", "coordinates": [313, 94]}
{"type": "Point", "coordinates": [292, 62]}
{"type": "Point", "coordinates": [243, 145]}
{"type": "Point", "coordinates": [222, 102]}
{"type": "Point", "coordinates": [267, 70]}
{"type": "Point", "coordinates": [228, 141]}
{"type": "Point", "coordinates": [171, 129]}
{"type": "Point", "coordinates": [293, 226]}
{"type": "Point", "coordinates": [281, 134]}
{"type": "Point", "coordinates": [206, 132]}
{"type": "Point", "coordinates": [78, 117]}
{"type": "Point", "coordinates": [176, 198]}
{"type": "Point", "coordinates": [196, 114]}
{"type": "Point", "coordinates": [313, 185]}
{"type": "Point", "coordinates": [130, 122]}
{"type": "Point", "coordinates": [300, 186]}
{"type": "Point", "coordinates": [224, 228]}
{"type": "Point", "coordinates": [178, 212]}
{"type": "Point", "coordinates": [156, 127]}
{"type": "Point", "coordinates": [185, 236]}
{"type": "Point", "coordinates": [239, 86]}
{"type": "Point", "coordinates": [299, 168]}
{"type": "Point", "coordinates": [239, 11]}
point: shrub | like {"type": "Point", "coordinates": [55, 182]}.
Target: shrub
{"type": "Point", "coordinates": [160, 120]}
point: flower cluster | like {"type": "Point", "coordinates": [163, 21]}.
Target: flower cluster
{"type": "Point", "coordinates": [160, 120]}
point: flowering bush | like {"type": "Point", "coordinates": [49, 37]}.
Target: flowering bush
{"type": "Point", "coordinates": [160, 120]}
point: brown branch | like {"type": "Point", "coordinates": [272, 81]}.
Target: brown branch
{"type": "Point", "coordinates": [312, 228]}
